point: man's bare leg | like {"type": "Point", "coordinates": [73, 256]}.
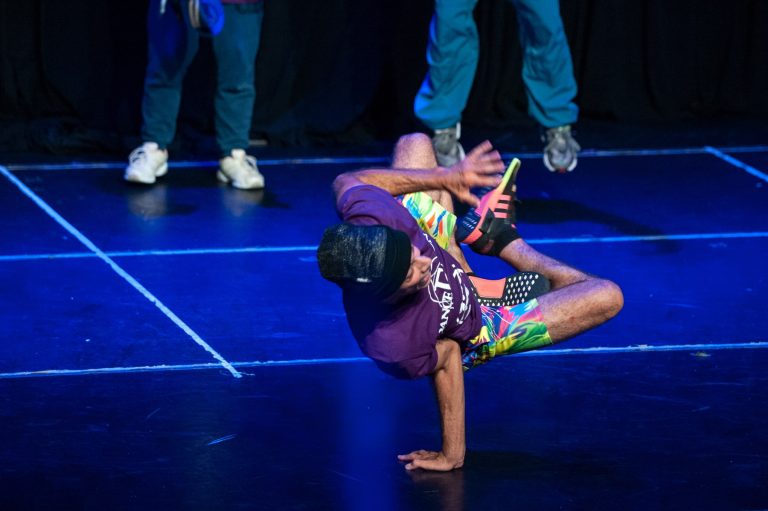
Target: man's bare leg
{"type": "Point", "coordinates": [415, 151]}
{"type": "Point", "coordinates": [577, 302]}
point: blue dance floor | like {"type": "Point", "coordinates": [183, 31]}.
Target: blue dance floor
{"type": "Point", "coordinates": [174, 347]}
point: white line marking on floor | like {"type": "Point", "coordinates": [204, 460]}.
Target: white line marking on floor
{"type": "Point", "coordinates": [376, 160]}
{"type": "Point", "coordinates": [641, 348]}
{"type": "Point", "coordinates": [603, 153]}
{"type": "Point", "coordinates": [312, 248]}
{"type": "Point", "coordinates": [117, 269]}
{"type": "Point", "coordinates": [737, 163]}
{"type": "Point", "coordinates": [364, 160]}
{"type": "Point", "coordinates": [651, 237]}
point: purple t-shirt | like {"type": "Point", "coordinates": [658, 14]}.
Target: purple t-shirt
{"type": "Point", "coordinates": [401, 337]}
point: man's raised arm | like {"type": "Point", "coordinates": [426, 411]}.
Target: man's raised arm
{"type": "Point", "coordinates": [448, 378]}
{"type": "Point", "coordinates": [481, 168]}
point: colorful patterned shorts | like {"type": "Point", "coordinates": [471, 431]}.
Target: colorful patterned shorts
{"type": "Point", "coordinates": [431, 216]}
{"type": "Point", "coordinates": [506, 330]}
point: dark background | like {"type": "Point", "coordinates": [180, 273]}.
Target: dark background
{"type": "Point", "coordinates": [345, 72]}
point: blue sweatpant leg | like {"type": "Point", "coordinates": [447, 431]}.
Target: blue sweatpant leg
{"type": "Point", "coordinates": [547, 66]}
{"type": "Point", "coordinates": [172, 45]}
{"type": "Point", "coordinates": [452, 54]}
{"type": "Point", "coordinates": [235, 49]}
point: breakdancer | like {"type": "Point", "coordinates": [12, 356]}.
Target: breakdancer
{"type": "Point", "coordinates": [411, 300]}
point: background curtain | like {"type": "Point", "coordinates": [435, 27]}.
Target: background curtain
{"type": "Point", "coordinates": [333, 71]}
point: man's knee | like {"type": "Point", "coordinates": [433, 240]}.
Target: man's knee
{"type": "Point", "coordinates": [610, 298]}
{"type": "Point", "coordinates": [414, 140]}
{"type": "Point", "coordinates": [414, 150]}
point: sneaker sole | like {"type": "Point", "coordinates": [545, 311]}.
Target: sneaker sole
{"type": "Point", "coordinates": [493, 200]}
{"type": "Point", "coordinates": [221, 176]}
{"type": "Point", "coordinates": [150, 180]}
{"type": "Point", "coordinates": [552, 168]}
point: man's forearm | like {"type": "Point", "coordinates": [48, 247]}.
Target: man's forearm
{"type": "Point", "coordinates": [448, 380]}
{"type": "Point", "coordinates": [397, 181]}
{"type": "Point", "coordinates": [449, 388]}
{"type": "Point", "coordinates": [481, 168]}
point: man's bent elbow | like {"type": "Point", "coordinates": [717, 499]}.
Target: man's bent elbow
{"type": "Point", "coordinates": [341, 183]}
{"type": "Point", "coordinates": [448, 352]}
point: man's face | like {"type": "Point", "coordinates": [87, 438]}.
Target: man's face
{"type": "Point", "coordinates": [418, 275]}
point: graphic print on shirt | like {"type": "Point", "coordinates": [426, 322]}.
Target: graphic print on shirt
{"type": "Point", "coordinates": [466, 295]}
{"type": "Point", "coordinates": [440, 290]}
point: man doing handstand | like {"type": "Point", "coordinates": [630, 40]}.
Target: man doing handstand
{"type": "Point", "coordinates": [411, 301]}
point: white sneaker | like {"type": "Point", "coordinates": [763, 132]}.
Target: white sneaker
{"type": "Point", "coordinates": [146, 163]}
{"type": "Point", "coordinates": [447, 147]}
{"type": "Point", "coordinates": [240, 170]}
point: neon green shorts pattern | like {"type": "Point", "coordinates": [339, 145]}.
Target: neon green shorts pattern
{"type": "Point", "coordinates": [432, 217]}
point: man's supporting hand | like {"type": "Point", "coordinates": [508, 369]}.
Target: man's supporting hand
{"type": "Point", "coordinates": [481, 168]}
{"type": "Point", "coordinates": [448, 378]}
{"type": "Point", "coordinates": [430, 460]}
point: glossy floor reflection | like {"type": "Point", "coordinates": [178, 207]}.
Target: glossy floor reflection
{"type": "Point", "coordinates": [108, 401]}
{"type": "Point", "coordinates": [630, 431]}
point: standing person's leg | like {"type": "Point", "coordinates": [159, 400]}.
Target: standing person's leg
{"type": "Point", "coordinates": [548, 76]}
{"type": "Point", "coordinates": [235, 49]}
{"type": "Point", "coordinates": [452, 54]}
{"type": "Point", "coordinates": [172, 45]}
{"type": "Point", "coordinates": [547, 66]}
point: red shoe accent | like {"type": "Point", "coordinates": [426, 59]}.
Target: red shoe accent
{"type": "Point", "coordinates": [488, 288]}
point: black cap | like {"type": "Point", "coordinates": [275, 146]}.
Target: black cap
{"type": "Point", "coordinates": [370, 260]}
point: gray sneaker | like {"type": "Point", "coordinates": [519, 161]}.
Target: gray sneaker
{"type": "Point", "coordinates": [447, 147]}
{"type": "Point", "coordinates": [561, 151]}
